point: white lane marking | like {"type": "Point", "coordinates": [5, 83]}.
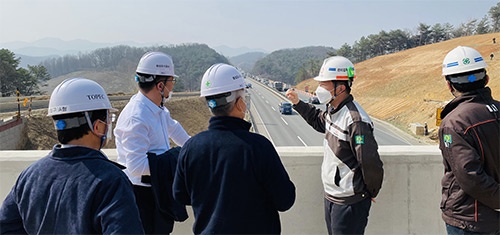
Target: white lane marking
{"type": "Point", "coordinates": [304, 143]}
{"type": "Point", "coordinates": [273, 108]}
{"type": "Point", "coordinates": [284, 121]}
{"type": "Point", "coordinates": [263, 125]}
{"type": "Point", "coordinates": [267, 102]}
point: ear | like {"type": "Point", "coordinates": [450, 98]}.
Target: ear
{"type": "Point", "coordinates": [239, 104]}
{"type": "Point", "coordinates": [160, 85]}
{"type": "Point", "coordinates": [450, 87]}
{"type": "Point", "coordinates": [98, 127]}
{"type": "Point", "coordinates": [487, 79]}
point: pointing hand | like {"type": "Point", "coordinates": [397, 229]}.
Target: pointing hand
{"type": "Point", "coordinates": [292, 95]}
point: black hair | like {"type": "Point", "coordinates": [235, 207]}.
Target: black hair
{"type": "Point", "coordinates": [466, 87]}
{"type": "Point", "coordinates": [67, 135]}
{"type": "Point", "coordinates": [345, 83]}
{"type": "Point", "coordinates": [148, 86]}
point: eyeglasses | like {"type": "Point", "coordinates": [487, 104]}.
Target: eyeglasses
{"type": "Point", "coordinates": [110, 118]}
{"type": "Point", "coordinates": [173, 80]}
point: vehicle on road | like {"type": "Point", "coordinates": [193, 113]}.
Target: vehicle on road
{"type": "Point", "coordinates": [285, 107]}
{"type": "Point", "coordinates": [249, 85]}
{"type": "Point", "coordinates": [278, 86]}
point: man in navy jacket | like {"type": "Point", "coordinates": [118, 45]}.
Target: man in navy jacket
{"type": "Point", "coordinates": [75, 189]}
{"type": "Point", "coordinates": [234, 179]}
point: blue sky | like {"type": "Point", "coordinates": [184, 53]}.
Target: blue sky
{"type": "Point", "coordinates": [268, 25]}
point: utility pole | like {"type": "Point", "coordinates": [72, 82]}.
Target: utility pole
{"type": "Point", "coordinates": [18, 104]}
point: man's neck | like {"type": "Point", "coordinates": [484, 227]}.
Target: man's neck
{"type": "Point", "coordinates": [155, 98]}
{"type": "Point", "coordinates": [339, 99]}
{"type": "Point", "coordinates": [87, 141]}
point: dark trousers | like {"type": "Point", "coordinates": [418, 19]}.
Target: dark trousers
{"type": "Point", "coordinates": [152, 221]}
{"type": "Point", "coordinates": [347, 219]}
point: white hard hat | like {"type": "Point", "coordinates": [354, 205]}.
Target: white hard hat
{"type": "Point", "coordinates": [462, 59]}
{"type": "Point", "coordinates": [336, 68]}
{"type": "Point", "coordinates": [221, 78]}
{"type": "Point", "coordinates": [155, 63]}
{"type": "Point", "coordinates": [78, 95]}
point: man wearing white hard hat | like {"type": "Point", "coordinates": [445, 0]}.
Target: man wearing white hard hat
{"type": "Point", "coordinates": [145, 128]}
{"type": "Point", "coordinates": [75, 189]}
{"type": "Point", "coordinates": [352, 171]}
{"type": "Point", "coordinates": [233, 178]}
{"type": "Point", "coordinates": [469, 139]}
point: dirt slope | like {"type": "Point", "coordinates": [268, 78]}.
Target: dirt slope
{"type": "Point", "coordinates": [191, 112]}
{"type": "Point", "coordinates": [407, 87]}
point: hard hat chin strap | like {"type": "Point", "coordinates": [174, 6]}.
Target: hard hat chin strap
{"type": "Point", "coordinates": [91, 126]}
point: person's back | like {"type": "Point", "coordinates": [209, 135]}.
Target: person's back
{"type": "Point", "coordinates": [234, 179]}
{"type": "Point", "coordinates": [230, 181]}
{"type": "Point", "coordinates": [75, 190]}
{"type": "Point", "coordinates": [481, 130]}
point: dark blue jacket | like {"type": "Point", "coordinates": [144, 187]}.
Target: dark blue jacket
{"type": "Point", "coordinates": [234, 180]}
{"type": "Point", "coordinates": [74, 190]}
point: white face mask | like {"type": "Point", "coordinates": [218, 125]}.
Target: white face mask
{"type": "Point", "coordinates": [170, 94]}
{"type": "Point", "coordinates": [166, 99]}
{"type": "Point", "coordinates": [323, 95]}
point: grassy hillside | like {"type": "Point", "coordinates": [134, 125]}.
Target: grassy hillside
{"type": "Point", "coordinates": [112, 81]}
{"type": "Point", "coordinates": [407, 87]}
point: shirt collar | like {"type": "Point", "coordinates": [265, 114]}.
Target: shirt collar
{"type": "Point", "coordinates": [148, 103]}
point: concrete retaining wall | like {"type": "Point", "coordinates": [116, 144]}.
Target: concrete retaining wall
{"type": "Point", "coordinates": [11, 131]}
{"type": "Point", "coordinates": [407, 204]}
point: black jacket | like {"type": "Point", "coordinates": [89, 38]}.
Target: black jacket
{"type": "Point", "coordinates": [73, 190]}
{"type": "Point", "coordinates": [162, 169]}
{"type": "Point", "coordinates": [234, 180]}
{"type": "Point", "coordinates": [470, 144]}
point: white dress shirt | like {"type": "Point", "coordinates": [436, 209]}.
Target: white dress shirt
{"type": "Point", "coordinates": [144, 127]}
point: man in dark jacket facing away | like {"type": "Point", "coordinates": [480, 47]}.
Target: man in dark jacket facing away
{"type": "Point", "coordinates": [469, 137]}
{"type": "Point", "coordinates": [234, 179]}
{"type": "Point", "coordinates": [75, 189]}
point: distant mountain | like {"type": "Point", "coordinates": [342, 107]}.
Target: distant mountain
{"type": "Point", "coordinates": [55, 46]}
{"type": "Point", "coordinates": [246, 61]}
{"type": "Point", "coordinates": [231, 52]}
{"type": "Point", "coordinates": [32, 60]}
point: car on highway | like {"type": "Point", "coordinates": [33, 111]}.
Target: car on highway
{"type": "Point", "coordinates": [313, 100]}
{"type": "Point", "coordinates": [249, 85]}
{"type": "Point", "coordinates": [285, 107]}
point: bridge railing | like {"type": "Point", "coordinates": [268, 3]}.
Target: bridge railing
{"type": "Point", "coordinates": [408, 202]}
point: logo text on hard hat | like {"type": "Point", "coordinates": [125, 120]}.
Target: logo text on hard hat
{"type": "Point", "coordinates": [162, 66]}
{"type": "Point", "coordinates": [59, 109]}
{"type": "Point", "coordinates": [95, 97]}
{"type": "Point", "coordinates": [236, 77]}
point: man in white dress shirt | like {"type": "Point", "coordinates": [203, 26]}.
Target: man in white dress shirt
{"type": "Point", "coordinates": [145, 126]}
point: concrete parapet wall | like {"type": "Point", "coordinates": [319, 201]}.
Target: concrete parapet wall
{"type": "Point", "coordinates": [408, 202]}
{"type": "Point", "coordinates": [11, 132]}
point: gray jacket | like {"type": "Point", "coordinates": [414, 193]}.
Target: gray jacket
{"type": "Point", "coordinates": [351, 170]}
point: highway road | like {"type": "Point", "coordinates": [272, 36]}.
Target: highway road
{"type": "Point", "coordinates": [293, 130]}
